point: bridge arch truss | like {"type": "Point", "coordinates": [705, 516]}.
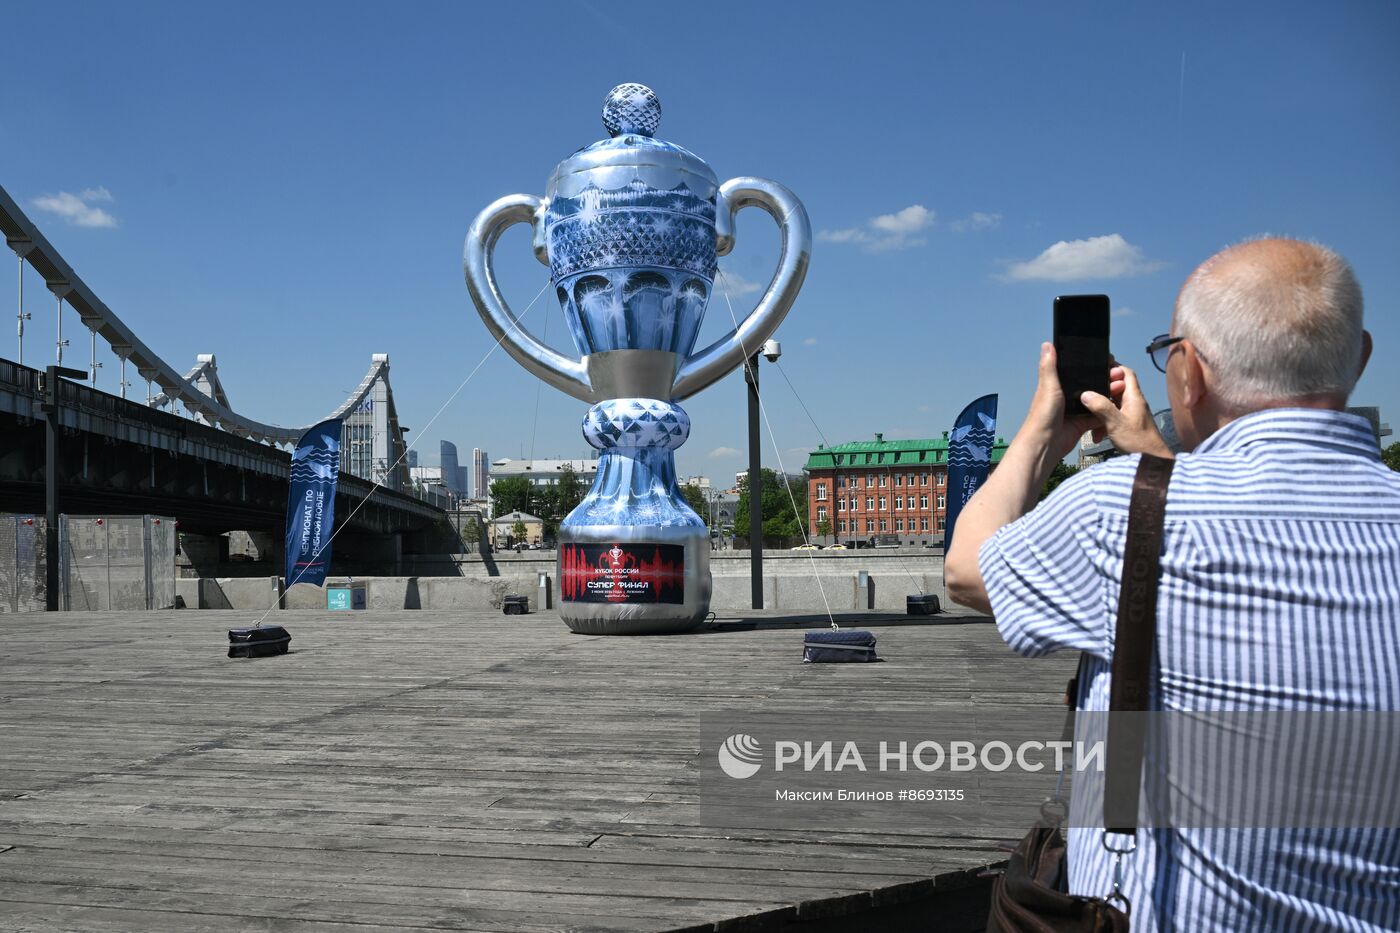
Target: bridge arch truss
{"type": "Point", "coordinates": [374, 444]}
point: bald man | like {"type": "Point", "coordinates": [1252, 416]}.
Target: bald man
{"type": "Point", "coordinates": [1279, 568]}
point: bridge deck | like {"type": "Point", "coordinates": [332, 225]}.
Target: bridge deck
{"type": "Point", "coordinates": [443, 770]}
{"type": "Point", "coordinates": [118, 456]}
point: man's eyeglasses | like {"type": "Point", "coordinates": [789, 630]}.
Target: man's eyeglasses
{"type": "Point", "coordinates": [1160, 349]}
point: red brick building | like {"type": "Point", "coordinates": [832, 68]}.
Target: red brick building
{"type": "Point", "coordinates": [892, 491]}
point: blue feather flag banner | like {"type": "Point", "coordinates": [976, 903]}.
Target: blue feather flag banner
{"type": "Point", "coordinates": [969, 458]}
{"type": "Point", "coordinates": [311, 503]}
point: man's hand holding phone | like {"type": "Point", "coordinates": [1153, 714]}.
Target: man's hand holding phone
{"type": "Point", "coordinates": [1046, 423]}
{"type": "Point", "coordinates": [1052, 427]}
{"type": "Point", "coordinates": [1125, 416]}
{"type": "Point", "coordinates": [1094, 385]}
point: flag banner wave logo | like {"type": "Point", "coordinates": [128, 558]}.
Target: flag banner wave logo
{"type": "Point", "coordinates": [311, 503]}
{"type": "Point", "coordinates": [969, 458]}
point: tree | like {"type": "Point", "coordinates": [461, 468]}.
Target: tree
{"type": "Point", "coordinates": [779, 519]}
{"type": "Point", "coordinates": [554, 503]}
{"type": "Point", "coordinates": [824, 527]}
{"type": "Point", "coordinates": [695, 498]}
{"type": "Point", "coordinates": [1391, 456]}
{"type": "Point", "coordinates": [1058, 475]}
{"type": "Point", "coordinates": [568, 492]}
{"type": "Point", "coordinates": [511, 494]}
{"type": "Point", "coordinates": [471, 531]}
{"type": "Point", "coordinates": [517, 532]}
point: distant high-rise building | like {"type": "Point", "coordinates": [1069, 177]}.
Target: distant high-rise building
{"type": "Point", "coordinates": [481, 473]}
{"type": "Point", "coordinates": [412, 459]}
{"type": "Point", "coordinates": [448, 462]}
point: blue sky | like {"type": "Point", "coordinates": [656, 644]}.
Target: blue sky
{"type": "Point", "coordinates": [288, 186]}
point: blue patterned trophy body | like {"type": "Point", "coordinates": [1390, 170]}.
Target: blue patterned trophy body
{"type": "Point", "coordinates": [631, 228]}
{"type": "Point", "coordinates": [632, 266]}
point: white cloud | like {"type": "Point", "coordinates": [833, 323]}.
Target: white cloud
{"type": "Point", "coordinates": [809, 341]}
{"type": "Point", "coordinates": [1099, 257]}
{"type": "Point", "coordinates": [77, 209]}
{"type": "Point", "coordinates": [736, 285]}
{"type": "Point", "coordinates": [912, 219]}
{"type": "Point", "coordinates": [887, 231]}
{"type": "Point", "coordinates": [1123, 312]}
{"type": "Point", "coordinates": [722, 453]}
{"type": "Point", "coordinates": [849, 235]}
{"type": "Point", "coordinates": [976, 222]}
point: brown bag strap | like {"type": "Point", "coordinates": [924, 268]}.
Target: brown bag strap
{"type": "Point", "coordinates": [1135, 636]}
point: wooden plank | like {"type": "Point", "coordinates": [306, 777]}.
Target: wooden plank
{"type": "Point", "coordinates": [439, 771]}
{"type": "Point", "coordinates": [669, 851]}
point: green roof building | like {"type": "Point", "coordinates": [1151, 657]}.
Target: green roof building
{"type": "Point", "coordinates": [891, 492]}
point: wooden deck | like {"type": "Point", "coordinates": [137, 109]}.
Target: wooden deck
{"type": "Point", "coordinates": [443, 770]}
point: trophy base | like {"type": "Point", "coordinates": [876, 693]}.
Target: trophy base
{"type": "Point", "coordinates": [634, 580]}
{"type": "Point", "coordinates": [632, 626]}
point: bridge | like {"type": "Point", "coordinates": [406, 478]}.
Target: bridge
{"type": "Point", "coordinates": [184, 451]}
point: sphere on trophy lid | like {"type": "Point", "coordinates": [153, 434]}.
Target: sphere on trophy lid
{"type": "Point", "coordinates": [631, 108]}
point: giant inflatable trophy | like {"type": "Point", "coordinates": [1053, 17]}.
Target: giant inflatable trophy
{"type": "Point", "coordinates": [630, 228]}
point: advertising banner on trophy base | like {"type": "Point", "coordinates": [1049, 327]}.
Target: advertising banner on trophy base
{"type": "Point", "coordinates": [623, 573]}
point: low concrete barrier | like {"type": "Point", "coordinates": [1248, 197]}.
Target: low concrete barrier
{"type": "Point", "coordinates": [230, 592]}
{"type": "Point", "coordinates": [850, 581]}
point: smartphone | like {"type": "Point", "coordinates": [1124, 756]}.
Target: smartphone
{"type": "Point", "coordinates": [1081, 347]}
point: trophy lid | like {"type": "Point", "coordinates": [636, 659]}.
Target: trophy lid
{"type": "Point", "coordinates": [632, 153]}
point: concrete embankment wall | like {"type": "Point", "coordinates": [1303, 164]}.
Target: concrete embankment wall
{"type": "Point", "coordinates": [793, 581]}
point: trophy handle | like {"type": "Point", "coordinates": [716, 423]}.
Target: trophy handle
{"type": "Point", "coordinates": [727, 353]}
{"type": "Point", "coordinates": [477, 265]}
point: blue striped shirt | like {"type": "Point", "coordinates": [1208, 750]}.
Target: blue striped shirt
{"type": "Point", "coordinates": [1280, 590]}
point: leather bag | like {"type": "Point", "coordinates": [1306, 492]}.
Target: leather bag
{"type": "Point", "coordinates": [838, 645]}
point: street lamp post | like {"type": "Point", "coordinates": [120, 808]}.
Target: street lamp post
{"type": "Point", "coordinates": [51, 457]}
{"type": "Point", "coordinates": [772, 350]}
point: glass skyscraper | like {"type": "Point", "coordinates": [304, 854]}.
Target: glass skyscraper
{"type": "Point", "coordinates": [448, 462]}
